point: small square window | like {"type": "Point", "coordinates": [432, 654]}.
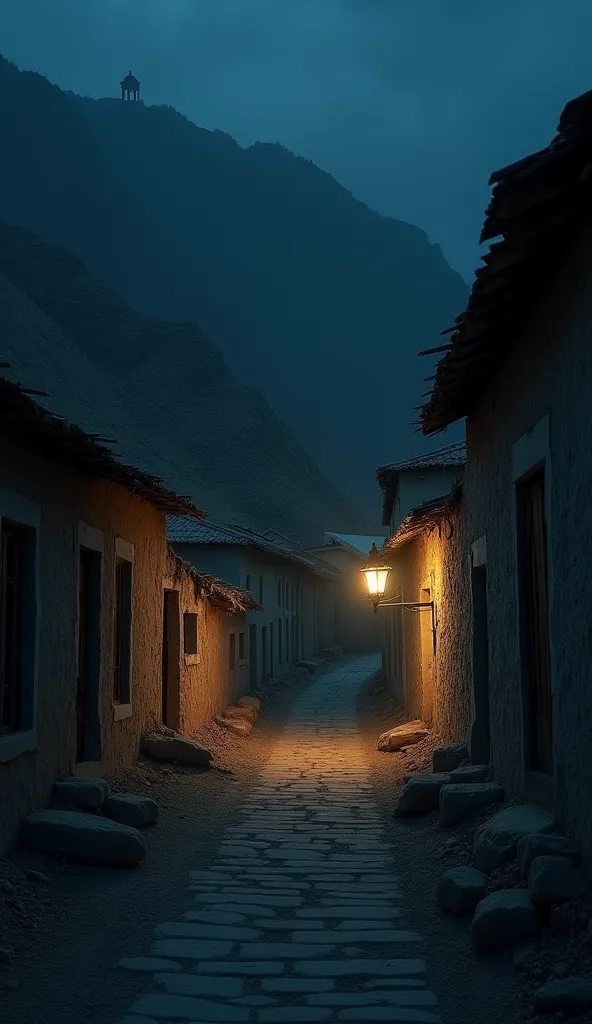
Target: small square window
{"type": "Point", "coordinates": [190, 632]}
{"type": "Point", "coordinates": [241, 646]}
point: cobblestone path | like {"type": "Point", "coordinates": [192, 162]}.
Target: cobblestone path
{"type": "Point", "coordinates": [298, 920]}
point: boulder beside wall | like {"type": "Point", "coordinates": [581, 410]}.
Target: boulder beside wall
{"type": "Point", "coordinates": [554, 880]}
{"type": "Point", "coordinates": [461, 889]}
{"type": "Point", "coordinates": [250, 702]}
{"type": "Point", "coordinates": [542, 845]}
{"type": "Point", "coordinates": [128, 809]}
{"type": "Point", "coordinates": [403, 736]}
{"type": "Point", "coordinates": [237, 725]}
{"type": "Point", "coordinates": [458, 801]}
{"type": "Point", "coordinates": [446, 759]}
{"type": "Point", "coordinates": [248, 714]}
{"type": "Point", "coordinates": [84, 794]}
{"type": "Point", "coordinates": [86, 837]}
{"type": "Point", "coordinates": [470, 773]}
{"type": "Point", "coordinates": [420, 795]}
{"type": "Point", "coordinates": [175, 748]}
{"type": "Point", "coordinates": [502, 919]}
{"type": "Point", "coordinates": [496, 840]}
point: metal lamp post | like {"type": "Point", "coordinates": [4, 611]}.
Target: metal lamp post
{"type": "Point", "coordinates": [376, 570]}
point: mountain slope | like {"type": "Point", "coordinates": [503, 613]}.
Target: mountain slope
{"type": "Point", "coordinates": [160, 389]}
{"type": "Point", "coordinates": [311, 297]}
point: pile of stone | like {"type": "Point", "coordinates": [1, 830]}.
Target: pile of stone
{"type": "Point", "coordinates": [241, 716]}
{"type": "Point", "coordinates": [548, 865]}
{"type": "Point", "coordinates": [88, 823]}
{"type": "Point", "coordinates": [456, 788]}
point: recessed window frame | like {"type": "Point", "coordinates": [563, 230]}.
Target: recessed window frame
{"type": "Point", "coordinates": [190, 627]}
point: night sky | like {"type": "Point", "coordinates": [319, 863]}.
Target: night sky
{"type": "Point", "coordinates": [409, 104]}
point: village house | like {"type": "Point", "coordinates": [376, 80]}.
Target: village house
{"type": "Point", "coordinates": [295, 589]}
{"type": "Point", "coordinates": [421, 506]}
{"type": "Point", "coordinates": [357, 629]}
{"type": "Point", "coordinates": [86, 584]}
{"type": "Point", "coordinates": [519, 368]}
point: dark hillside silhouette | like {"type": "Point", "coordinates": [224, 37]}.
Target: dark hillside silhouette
{"type": "Point", "coordinates": [311, 297]}
{"type": "Point", "coordinates": [161, 390]}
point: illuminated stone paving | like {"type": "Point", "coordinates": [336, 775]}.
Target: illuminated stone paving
{"type": "Point", "coordinates": [298, 920]}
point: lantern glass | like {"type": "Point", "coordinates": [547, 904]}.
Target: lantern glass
{"type": "Point", "coordinates": [376, 573]}
{"type": "Point", "coordinates": [376, 580]}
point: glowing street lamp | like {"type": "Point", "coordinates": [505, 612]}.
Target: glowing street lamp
{"type": "Point", "coordinates": [376, 571]}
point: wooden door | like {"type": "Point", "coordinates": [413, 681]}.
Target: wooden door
{"type": "Point", "coordinates": [427, 655]}
{"type": "Point", "coordinates": [171, 660]}
{"type": "Point", "coordinates": [536, 659]}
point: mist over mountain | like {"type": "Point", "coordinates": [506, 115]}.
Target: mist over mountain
{"type": "Point", "coordinates": [160, 390]}
{"type": "Point", "coordinates": [311, 297]}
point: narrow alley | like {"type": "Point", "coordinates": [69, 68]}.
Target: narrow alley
{"type": "Point", "coordinates": [277, 889]}
{"type": "Point", "coordinates": [298, 919]}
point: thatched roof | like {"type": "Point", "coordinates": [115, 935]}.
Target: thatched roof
{"type": "Point", "coordinates": [27, 419]}
{"type": "Point", "coordinates": [425, 518]}
{"type": "Point", "coordinates": [537, 207]}
{"type": "Point", "coordinates": [228, 599]}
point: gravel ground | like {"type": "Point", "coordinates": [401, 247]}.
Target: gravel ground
{"type": "Point", "coordinates": [63, 927]}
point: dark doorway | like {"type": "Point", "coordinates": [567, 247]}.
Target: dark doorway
{"type": "Point", "coordinates": [171, 659]}
{"type": "Point", "coordinates": [253, 657]}
{"type": "Point", "coordinates": [534, 622]}
{"type": "Point", "coordinates": [88, 728]}
{"type": "Point", "coordinates": [427, 656]}
{"type": "Point", "coordinates": [263, 652]}
{"type": "Point", "coordinates": [480, 743]}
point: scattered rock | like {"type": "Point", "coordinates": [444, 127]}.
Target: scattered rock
{"type": "Point", "coordinates": [554, 880]}
{"type": "Point", "coordinates": [86, 837]}
{"type": "Point", "coordinates": [502, 918]}
{"type": "Point", "coordinates": [240, 726]}
{"type": "Point", "coordinates": [7, 887]}
{"type": "Point", "coordinates": [470, 773]}
{"type": "Point", "coordinates": [461, 889]}
{"type": "Point", "coordinates": [522, 957]}
{"type": "Point", "coordinates": [310, 664]}
{"type": "Point", "coordinates": [446, 759]}
{"type": "Point", "coordinates": [246, 714]}
{"type": "Point", "coordinates": [175, 748]}
{"type": "Point", "coordinates": [459, 801]}
{"type": "Point", "coordinates": [403, 736]}
{"type": "Point", "coordinates": [128, 809]}
{"type": "Point", "coordinates": [541, 845]}
{"type": "Point", "coordinates": [570, 996]}
{"type": "Point", "coordinates": [36, 876]}
{"type": "Point", "coordinates": [496, 840]}
{"type": "Point", "coordinates": [420, 795]}
{"type": "Point", "coordinates": [250, 702]}
{"type": "Point", "coordinates": [85, 794]}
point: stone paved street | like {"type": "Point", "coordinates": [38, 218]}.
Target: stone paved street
{"type": "Point", "coordinates": [298, 920]}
